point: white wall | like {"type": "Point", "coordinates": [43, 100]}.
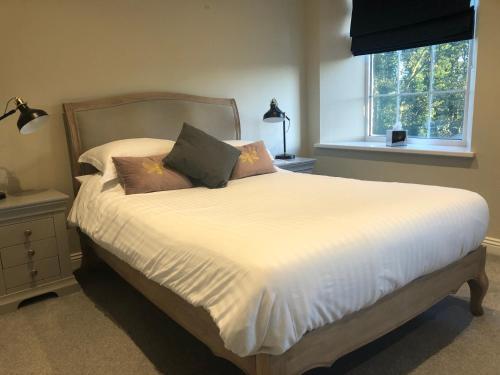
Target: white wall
{"type": "Point", "coordinates": [342, 76]}
{"type": "Point", "coordinates": [58, 51]}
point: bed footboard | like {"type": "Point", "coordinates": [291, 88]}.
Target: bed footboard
{"type": "Point", "coordinates": [321, 347]}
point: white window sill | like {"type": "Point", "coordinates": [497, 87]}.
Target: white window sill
{"type": "Point", "coordinates": [419, 149]}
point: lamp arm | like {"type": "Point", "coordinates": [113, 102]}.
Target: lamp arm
{"type": "Point", "coordinates": [289, 122]}
{"type": "Point", "coordinates": [12, 111]}
{"type": "Point", "coordinates": [7, 114]}
{"type": "Point", "coordinates": [285, 130]}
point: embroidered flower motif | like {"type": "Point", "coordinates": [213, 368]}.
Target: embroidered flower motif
{"type": "Point", "coordinates": [249, 155]}
{"type": "Point", "coordinates": [152, 167]}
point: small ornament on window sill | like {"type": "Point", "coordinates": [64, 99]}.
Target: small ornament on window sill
{"type": "Point", "coordinates": [396, 136]}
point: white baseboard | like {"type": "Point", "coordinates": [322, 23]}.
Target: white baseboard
{"type": "Point", "coordinates": [493, 245]}
{"type": "Point", "coordinates": [76, 260]}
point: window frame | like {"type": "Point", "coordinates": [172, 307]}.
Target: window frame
{"type": "Point", "coordinates": [468, 105]}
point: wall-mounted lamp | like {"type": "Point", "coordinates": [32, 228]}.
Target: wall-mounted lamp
{"type": "Point", "coordinates": [277, 115]}
{"type": "Point", "coordinates": [30, 119]}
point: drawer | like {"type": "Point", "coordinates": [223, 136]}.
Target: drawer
{"type": "Point", "coordinates": [27, 252]}
{"type": "Point", "coordinates": [16, 234]}
{"type": "Point", "coordinates": [301, 168]}
{"type": "Point", "coordinates": [31, 272]}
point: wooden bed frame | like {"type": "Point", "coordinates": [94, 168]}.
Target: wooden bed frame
{"type": "Point", "coordinates": [317, 348]}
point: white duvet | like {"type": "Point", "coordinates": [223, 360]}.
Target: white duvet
{"type": "Point", "coordinates": [272, 257]}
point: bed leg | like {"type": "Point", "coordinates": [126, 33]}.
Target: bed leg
{"type": "Point", "coordinates": [478, 288]}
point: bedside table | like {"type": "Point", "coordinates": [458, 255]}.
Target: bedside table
{"type": "Point", "coordinates": [301, 165]}
{"type": "Point", "coordinates": [34, 252]}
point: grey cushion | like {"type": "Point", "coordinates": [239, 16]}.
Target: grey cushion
{"type": "Point", "coordinates": [202, 157]}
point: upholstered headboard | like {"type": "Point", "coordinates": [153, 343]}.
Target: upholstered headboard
{"type": "Point", "coordinates": [152, 115]}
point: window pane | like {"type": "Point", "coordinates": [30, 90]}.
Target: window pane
{"type": "Point", "coordinates": [448, 116]}
{"type": "Point", "coordinates": [450, 68]}
{"type": "Point", "coordinates": [415, 70]}
{"type": "Point", "coordinates": [408, 77]}
{"type": "Point", "coordinates": [414, 111]}
{"type": "Point", "coordinates": [384, 114]}
{"type": "Point", "coordinates": [385, 69]}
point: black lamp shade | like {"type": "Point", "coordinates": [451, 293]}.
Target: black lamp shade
{"type": "Point", "coordinates": [30, 119]}
{"type": "Point", "coordinates": [274, 114]}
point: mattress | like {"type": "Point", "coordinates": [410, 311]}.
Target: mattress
{"type": "Point", "coordinates": [272, 257]}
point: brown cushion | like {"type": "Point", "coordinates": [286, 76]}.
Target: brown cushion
{"type": "Point", "coordinates": [254, 160]}
{"type": "Point", "coordinates": [147, 174]}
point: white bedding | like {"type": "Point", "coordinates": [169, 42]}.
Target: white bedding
{"type": "Point", "coordinates": [274, 256]}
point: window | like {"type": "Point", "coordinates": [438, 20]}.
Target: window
{"type": "Point", "coordinates": [424, 89]}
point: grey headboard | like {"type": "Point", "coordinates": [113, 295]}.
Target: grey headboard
{"type": "Point", "coordinates": [152, 115]}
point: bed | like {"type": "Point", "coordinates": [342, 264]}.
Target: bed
{"type": "Point", "coordinates": [277, 273]}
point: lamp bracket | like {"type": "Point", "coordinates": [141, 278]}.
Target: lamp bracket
{"type": "Point", "coordinates": [19, 101]}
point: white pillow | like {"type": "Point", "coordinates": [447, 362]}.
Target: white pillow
{"type": "Point", "coordinates": [84, 178]}
{"type": "Point", "coordinates": [241, 142]}
{"type": "Point", "coordinates": [101, 156]}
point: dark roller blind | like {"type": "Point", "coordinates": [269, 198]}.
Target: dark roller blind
{"type": "Point", "coordinates": [390, 25]}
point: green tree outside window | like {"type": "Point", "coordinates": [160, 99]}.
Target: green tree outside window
{"type": "Point", "coordinates": [423, 88]}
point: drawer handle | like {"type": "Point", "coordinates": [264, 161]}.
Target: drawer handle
{"type": "Point", "coordinates": [33, 273]}
{"type": "Point", "coordinates": [31, 252]}
{"type": "Point", "coordinates": [28, 232]}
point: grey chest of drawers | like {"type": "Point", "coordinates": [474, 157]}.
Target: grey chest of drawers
{"type": "Point", "coordinates": [299, 164]}
{"type": "Point", "coordinates": [34, 252]}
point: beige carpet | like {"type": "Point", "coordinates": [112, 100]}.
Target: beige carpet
{"type": "Point", "coordinates": [111, 329]}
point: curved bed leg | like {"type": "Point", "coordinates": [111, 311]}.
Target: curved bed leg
{"type": "Point", "coordinates": [478, 288]}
